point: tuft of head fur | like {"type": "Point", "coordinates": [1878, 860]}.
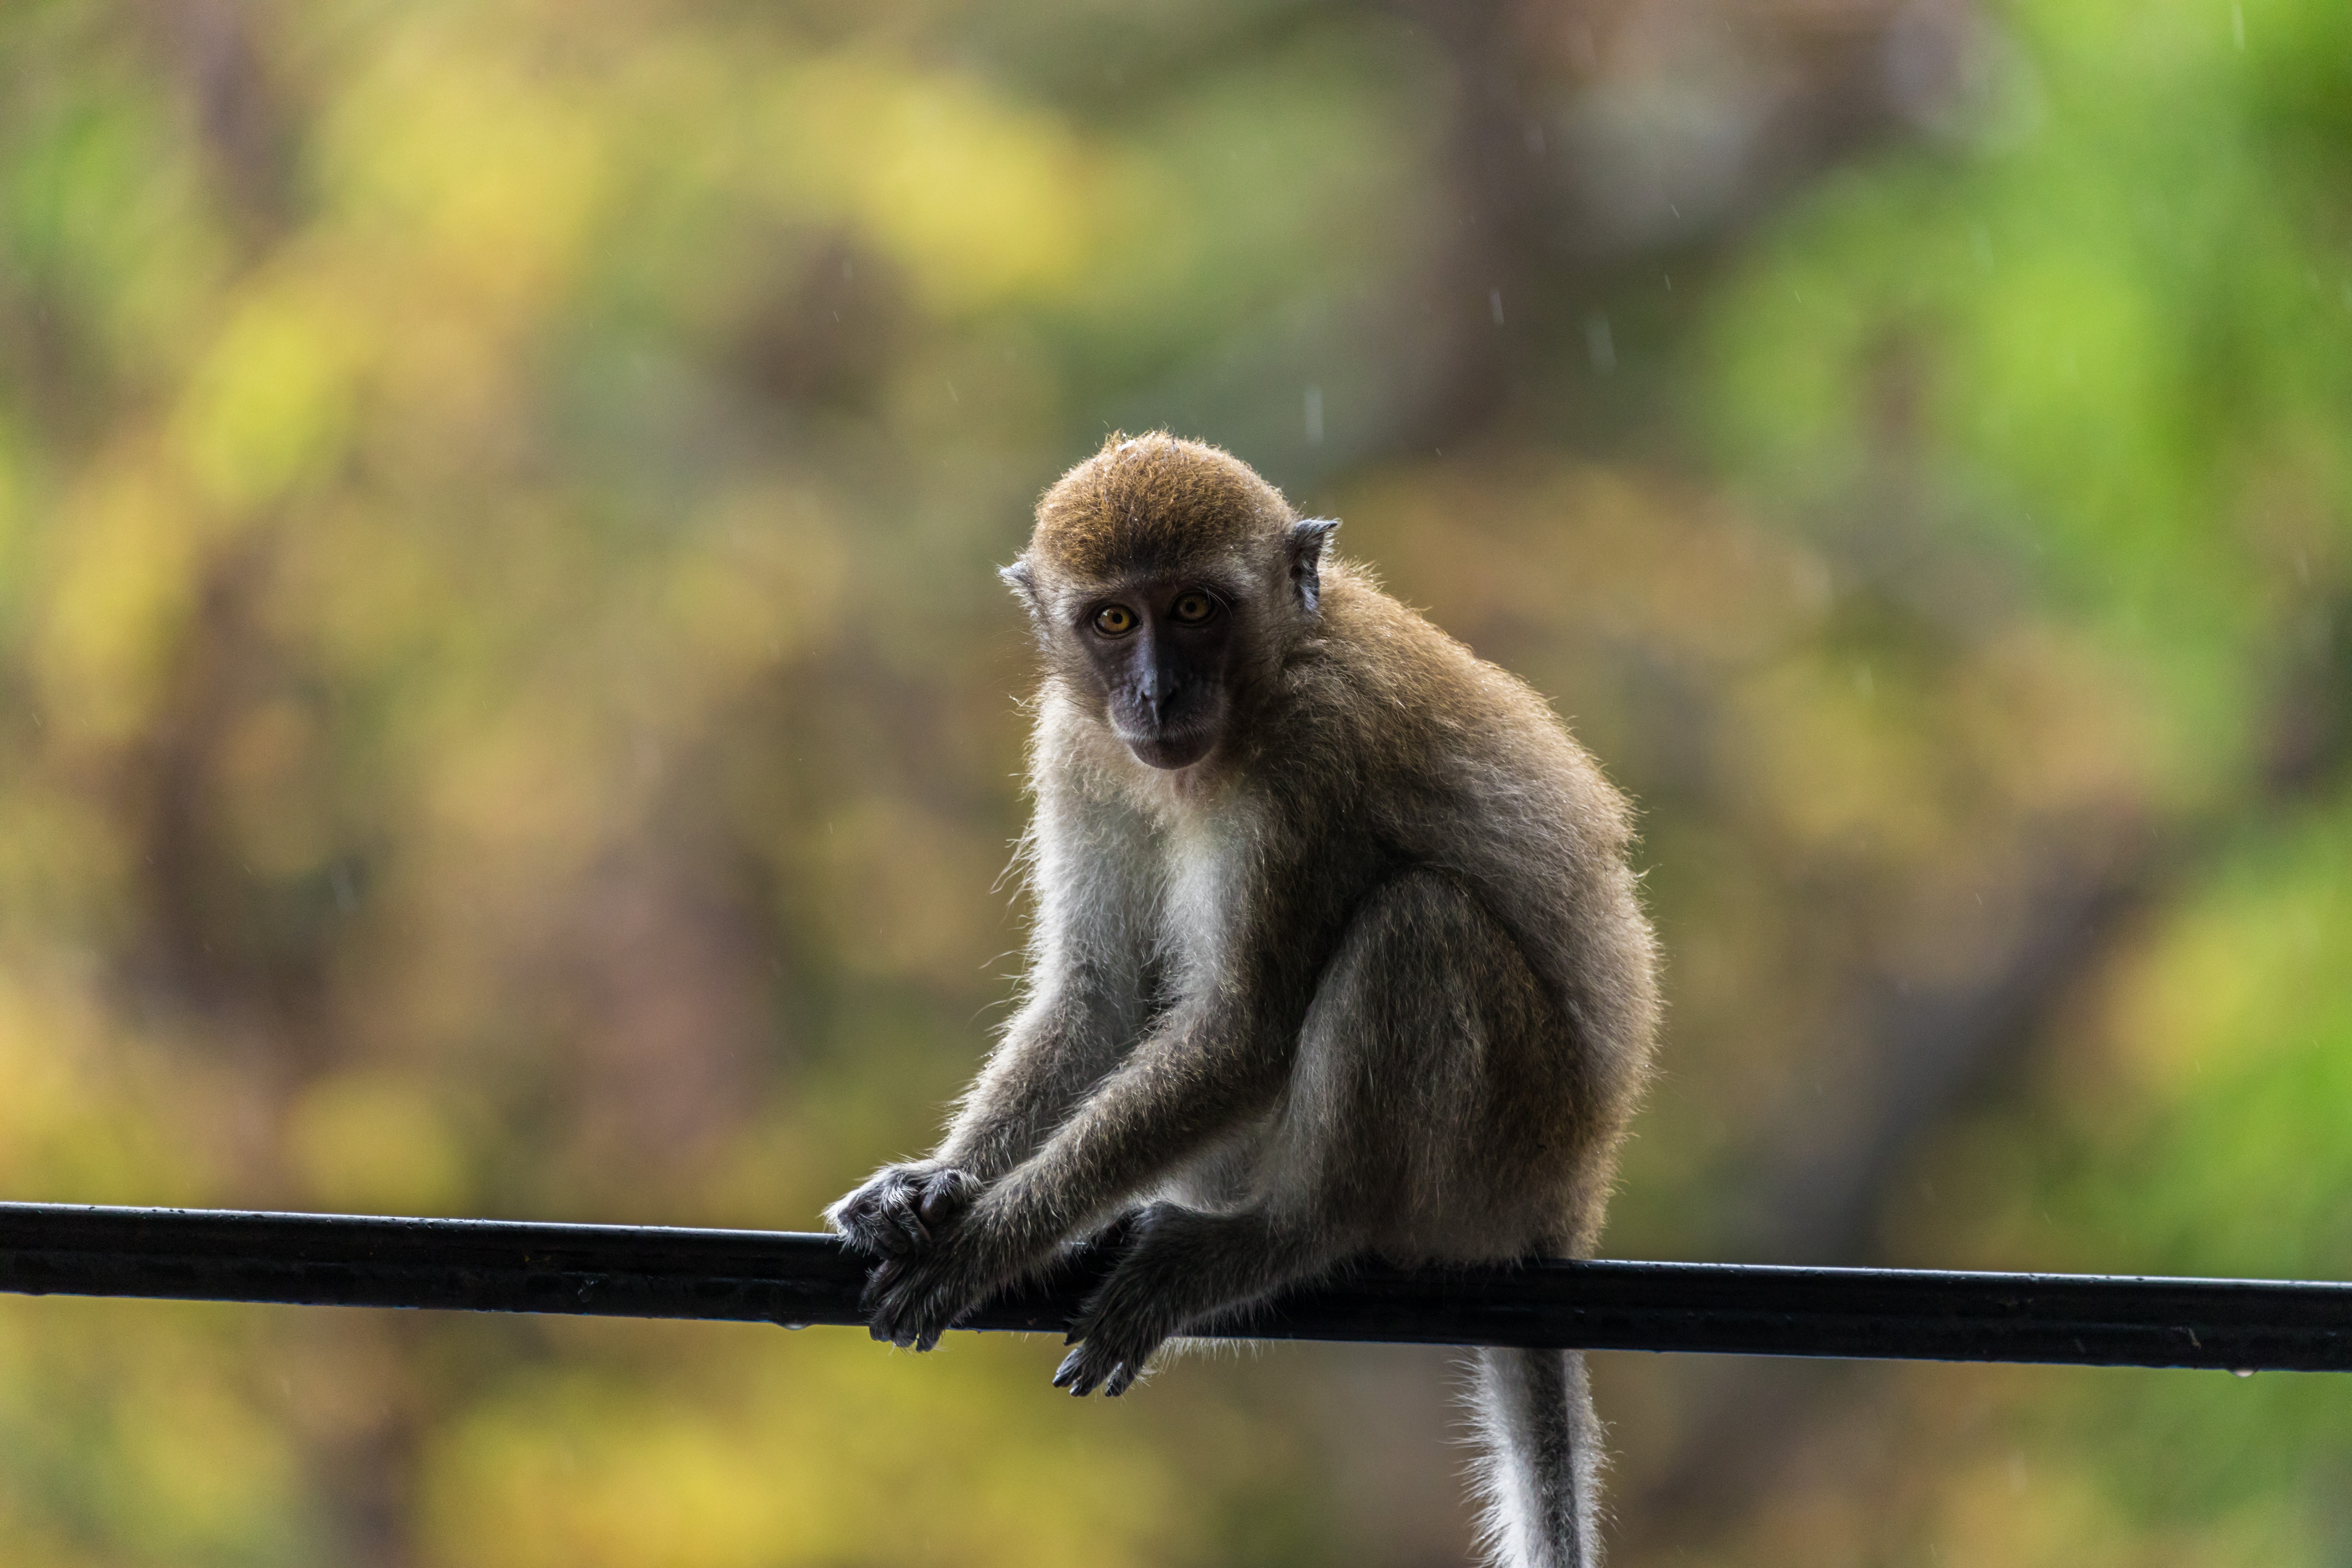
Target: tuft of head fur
{"type": "Point", "coordinates": [1150, 501]}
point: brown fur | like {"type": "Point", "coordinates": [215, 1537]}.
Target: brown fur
{"type": "Point", "coordinates": [1371, 975]}
{"type": "Point", "coordinates": [1146, 500]}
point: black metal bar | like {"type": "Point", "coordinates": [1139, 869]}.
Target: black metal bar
{"type": "Point", "coordinates": [501, 1266]}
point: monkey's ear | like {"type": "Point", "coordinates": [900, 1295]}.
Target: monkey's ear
{"type": "Point", "coordinates": [1021, 581]}
{"type": "Point", "coordinates": [1306, 537]}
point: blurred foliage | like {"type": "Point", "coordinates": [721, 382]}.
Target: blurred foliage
{"type": "Point", "coordinates": [504, 709]}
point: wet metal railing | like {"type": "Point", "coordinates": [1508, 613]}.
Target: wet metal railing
{"type": "Point", "coordinates": [631, 1271]}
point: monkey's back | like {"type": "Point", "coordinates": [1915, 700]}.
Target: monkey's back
{"type": "Point", "coordinates": [1453, 765]}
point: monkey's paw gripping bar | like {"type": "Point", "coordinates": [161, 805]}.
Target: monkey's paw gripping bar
{"type": "Point", "coordinates": [501, 1266]}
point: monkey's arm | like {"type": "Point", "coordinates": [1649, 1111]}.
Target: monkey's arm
{"type": "Point", "coordinates": [1207, 1069]}
{"type": "Point", "coordinates": [1058, 1046]}
{"type": "Point", "coordinates": [1057, 1049]}
{"type": "Point", "coordinates": [1086, 1007]}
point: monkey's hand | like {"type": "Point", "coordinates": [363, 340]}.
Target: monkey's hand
{"type": "Point", "coordinates": [1128, 1318]}
{"type": "Point", "coordinates": [913, 1297]}
{"type": "Point", "coordinates": [900, 1208]}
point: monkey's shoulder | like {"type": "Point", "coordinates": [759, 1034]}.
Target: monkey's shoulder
{"type": "Point", "coordinates": [1383, 684]}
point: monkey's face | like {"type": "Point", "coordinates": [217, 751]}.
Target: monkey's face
{"type": "Point", "coordinates": [1159, 650]}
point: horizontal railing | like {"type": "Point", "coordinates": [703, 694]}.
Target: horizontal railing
{"type": "Point", "coordinates": [631, 1271]}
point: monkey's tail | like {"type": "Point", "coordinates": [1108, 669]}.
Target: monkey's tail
{"type": "Point", "coordinates": [1537, 1470]}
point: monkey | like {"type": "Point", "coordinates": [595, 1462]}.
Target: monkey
{"type": "Point", "coordinates": [1336, 951]}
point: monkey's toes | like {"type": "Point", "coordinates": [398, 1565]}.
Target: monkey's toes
{"type": "Point", "coordinates": [1097, 1364]}
{"type": "Point", "coordinates": [1087, 1368]}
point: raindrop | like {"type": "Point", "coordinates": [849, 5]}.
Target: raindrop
{"type": "Point", "coordinates": [1599, 345]}
{"type": "Point", "coordinates": [1494, 303]}
{"type": "Point", "coordinates": [2238, 26]}
{"type": "Point", "coordinates": [1315, 416]}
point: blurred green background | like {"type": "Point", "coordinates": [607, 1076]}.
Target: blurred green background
{"type": "Point", "coordinates": [504, 709]}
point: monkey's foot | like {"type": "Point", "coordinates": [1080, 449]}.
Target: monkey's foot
{"type": "Point", "coordinates": [900, 1208]}
{"type": "Point", "coordinates": [912, 1301]}
{"type": "Point", "coordinates": [1117, 1335]}
{"type": "Point", "coordinates": [1095, 1365]}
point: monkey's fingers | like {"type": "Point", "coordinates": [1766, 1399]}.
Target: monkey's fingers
{"type": "Point", "coordinates": [880, 1280]}
{"type": "Point", "coordinates": [907, 1231]}
{"type": "Point", "coordinates": [900, 1208]}
{"type": "Point", "coordinates": [912, 1302]}
{"type": "Point", "coordinates": [946, 1195]}
{"type": "Point", "coordinates": [857, 1220]}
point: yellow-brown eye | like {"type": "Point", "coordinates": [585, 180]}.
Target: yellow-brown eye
{"type": "Point", "coordinates": [1194, 608]}
{"type": "Point", "coordinates": [1113, 620]}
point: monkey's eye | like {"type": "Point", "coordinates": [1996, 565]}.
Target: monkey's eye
{"type": "Point", "coordinates": [1113, 620]}
{"type": "Point", "coordinates": [1192, 609]}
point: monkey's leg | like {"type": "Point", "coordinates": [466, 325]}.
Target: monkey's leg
{"type": "Point", "coordinates": [1433, 1099]}
{"type": "Point", "coordinates": [1417, 1022]}
{"type": "Point", "coordinates": [1182, 1268]}
{"type": "Point", "coordinates": [1539, 1468]}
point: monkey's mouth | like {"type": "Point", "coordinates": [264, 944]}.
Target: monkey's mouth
{"type": "Point", "coordinates": [1172, 746]}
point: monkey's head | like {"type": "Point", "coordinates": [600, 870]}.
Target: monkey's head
{"type": "Point", "coordinates": [1164, 579]}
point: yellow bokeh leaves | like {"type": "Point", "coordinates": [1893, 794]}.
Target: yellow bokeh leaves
{"type": "Point", "coordinates": [485, 160]}
{"type": "Point", "coordinates": [272, 401]}
{"type": "Point", "coordinates": [2252, 970]}
{"type": "Point", "coordinates": [756, 1466]}
{"type": "Point", "coordinates": [122, 575]}
{"type": "Point", "coordinates": [92, 1108]}
{"type": "Point", "coordinates": [979, 199]}
{"type": "Point", "coordinates": [483, 165]}
{"type": "Point", "coordinates": [375, 1143]}
{"type": "Point", "coordinates": [762, 580]}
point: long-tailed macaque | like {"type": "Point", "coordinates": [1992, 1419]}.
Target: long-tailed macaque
{"type": "Point", "coordinates": [1336, 952]}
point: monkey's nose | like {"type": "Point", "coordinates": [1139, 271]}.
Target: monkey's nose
{"type": "Point", "coordinates": [1158, 692]}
